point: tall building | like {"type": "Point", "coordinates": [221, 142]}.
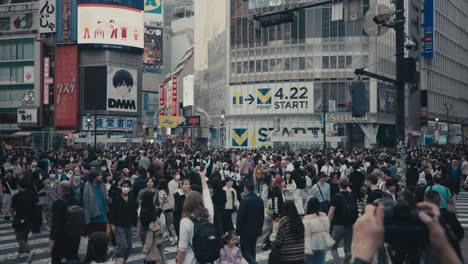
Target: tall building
{"type": "Point", "coordinates": [444, 72]}
{"type": "Point", "coordinates": [289, 72]}
{"type": "Point", "coordinates": [21, 67]}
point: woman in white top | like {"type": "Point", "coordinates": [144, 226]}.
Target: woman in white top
{"type": "Point", "coordinates": [317, 239]}
{"type": "Point", "coordinates": [200, 206]}
{"type": "Point", "coordinates": [289, 186]}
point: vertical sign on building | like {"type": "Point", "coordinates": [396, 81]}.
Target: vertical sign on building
{"type": "Point", "coordinates": [162, 92]}
{"type": "Point", "coordinates": [47, 80]}
{"type": "Point", "coordinates": [47, 12]}
{"type": "Point", "coordinates": [66, 21]}
{"type": "Point", "coordinates": [428, 29]}
{"type": "Point", "coordinates": [175, 111]}
{"type": "Point", "coordinates": [66, 86]}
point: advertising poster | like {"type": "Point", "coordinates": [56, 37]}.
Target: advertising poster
{"type": "Point", "coordinates": [153, 12]}
{"type": "Point", "coordinates": [122, 86]}
{"type": "Point", "coordinates": [175, 111]}
{"type": "Point", "coordinates": [66, 86]}
{"type": "Point", "coordinates": [124, 3]}
{"type": "Point", "coordinates": [110, 25]}
{"type": "Point", "coordinates": [66, 21]}
{"type": "Point", "coordinates": [94, 88]}
{"type": "Point", "coordinates": [272, 98]}
{"type": "Point", "coordinates": [47, 16]}
{"type": "Point", "coordinates": [27, 116]}
{"type": "Point", "coordinates": [188, 91]}
{"type": "Point", "coordinates": [28, 74]}
{"type": "Point", "coordinates": [428, 29]}
{"type": "Point", "coordinates": [153, 46]}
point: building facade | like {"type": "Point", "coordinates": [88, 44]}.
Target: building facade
{"type": "Point", "coordinates": [290, 71]}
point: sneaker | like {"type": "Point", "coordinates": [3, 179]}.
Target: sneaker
{"type": "Point", "coordinates": [31, 254]}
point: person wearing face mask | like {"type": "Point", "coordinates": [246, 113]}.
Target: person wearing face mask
{"type": "Point", "coordinates": [51, 193]}
{"type": "Point", "coordinates": [174, 184]}
{"type": "Point", "coordinates": [123, 218]}
{"type": "Point", "coordinates": [95, 204]}
{"type": "Point", "coordinates": [109, 179]}
{"type": "Point", "coordinates": [77, 186]}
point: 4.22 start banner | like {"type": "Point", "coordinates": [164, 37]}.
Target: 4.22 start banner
{"type": "Point", "coordinates": [272, 98]}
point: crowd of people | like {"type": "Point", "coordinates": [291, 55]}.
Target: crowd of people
{"type": "Point", "coordinates": [298, 204]}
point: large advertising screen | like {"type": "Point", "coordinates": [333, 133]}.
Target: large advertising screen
{"type": "Point", "coordinates": [66, 86]}
{"type": "Point", "coordinates": [122, 86]}
{"type": "Point", "coordinates": [94, 86]}
{"type": "Point", "coordinates": [153, 46]}
{"type": "Point", "coordinates": [128, 3]}
{"type": "Point", "coordinates": [110, 25]}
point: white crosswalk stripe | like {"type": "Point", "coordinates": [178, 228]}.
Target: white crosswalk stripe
{"type": "Point", "coordinates": [41, 254]}
{"type": "Point", "coordinates": [462, 209]}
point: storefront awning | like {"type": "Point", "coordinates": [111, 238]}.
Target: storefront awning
{"type": "Point", "coordinates": [65, 132]}
{"type": "Point", "coordinates": [22, 134]}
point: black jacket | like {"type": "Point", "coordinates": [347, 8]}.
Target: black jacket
{"type": "Point", "coordinates": [276, 202]}
{"type": "Point", "coordinates": [124, 213]}
{"type": "Point", "coordinates": [140, 184]}
{"type": "Point", "coordinates": [250, 217]}
{"type": "Point", "coordinates": [412, 176]}
{"type": "Point", "coordinates": [59, 212]}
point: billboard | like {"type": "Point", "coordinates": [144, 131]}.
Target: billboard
{"type": "Point", "coordinates": [114, 123]}
{"type": "Point", "coordinates": [48, 16]}
{"type": "Point", "coordinates": [152, 54]}
{"type": "Point", "coordinates": [28, 74]}
{"type": "Point", "coordinates": [272, 98]}
{"type": "Point", "coordinates": [188, 98]}
{"type": "Point", "coordinates": [66, 86]}
{"type": "Point", "coordinates": [110, 25]}
{"type": "Point", "coordinates": [66, 21]}
{"type": "Point", "coordinates": [122, 86]}
{"type": "Point", "coordinates": [27, 116]}
{"type": "Point", "coordinates": [124, 3]}
{"type": "Point", "coordinates": [94, 88]}
{"type": "Point", "coordinates": [153, 12]}
{"type": "Point", "coordinates": [428, 29]}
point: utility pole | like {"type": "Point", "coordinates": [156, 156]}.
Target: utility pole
{"type": "Point", "coordinates": [448, 109]}
{"type": "Point", "coordinates": [324, 121]}
{"type": "Point", "coordinates": [399, 26]}
{"type": "Point", "coordinates": [95, 130]}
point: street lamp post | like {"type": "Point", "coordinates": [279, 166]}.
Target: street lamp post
{"type": "Point", "coordinates": [222, 128]}
{"type": "Point", "coordinates": [448, 109]}
{"type": "Point", "coordinates": [88, 121]}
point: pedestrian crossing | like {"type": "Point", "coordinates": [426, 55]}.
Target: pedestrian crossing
{"type": "Point", "coordinates": [462, 210]}
{"type": "Point", "coordinates": [41, 254]}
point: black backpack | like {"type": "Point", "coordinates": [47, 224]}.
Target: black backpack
{"type": "Point", "coordinates": [300, 179]}
{"type": "Point", "coordinates": [74, 221]}
{"type": "Point", "coordinates": [205, 242]}
{"type": "Point", "coordinates": [350, 207]}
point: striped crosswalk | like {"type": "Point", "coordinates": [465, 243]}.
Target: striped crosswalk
{"type": "Point", "coordinates": [462, 209]}
{"type": "Point", "coordinates": [41, 254]}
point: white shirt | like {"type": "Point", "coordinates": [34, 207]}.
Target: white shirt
{"type": "Point", "coordinates": [327, 169]}
{"type": "Point", "coordinates": [173, 186]}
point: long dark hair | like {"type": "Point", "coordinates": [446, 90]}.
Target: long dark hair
{"type": "Point", "coordinates": [313, 206]}
{"type": "Point", "coordinates": [148, 209]}
{"type": "Point", "coordinates": [163, 186]}
{"type": "Point", "coordinates": [97, 248]}
{"type": "Point", "coordinates": [290, 212]}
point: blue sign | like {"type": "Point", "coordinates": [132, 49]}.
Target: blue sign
{"type": "Point", "coordinates": [145, 101]}
{"type": "Point", "coordinates": [129, 3]}
{"type": "Point", "coordinates": [66, 21]}
{"type": "Point", "coordinates": [153, 6]}
{"type": "Point", "coordinates": [428, 29]}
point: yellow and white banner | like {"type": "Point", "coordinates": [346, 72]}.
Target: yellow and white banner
{"type": "Point", "coordinates": [171, 121]}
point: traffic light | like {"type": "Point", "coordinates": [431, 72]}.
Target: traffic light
{"type": "Point", "coordinates": [315, 134]}
{"type": "Point", "coordinates": [358, 97]}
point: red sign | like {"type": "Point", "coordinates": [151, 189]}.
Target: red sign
{"type": "Point", "coordinates": [46, 80]}
{"type": "Point", "coordinates": [66, 86]}
{"type": "Point", "coordinates": [161, 98]}
{"type": "Point", "coordinates": [175, 110]}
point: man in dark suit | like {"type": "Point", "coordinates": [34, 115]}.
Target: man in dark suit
{"type": "Point", "coordinates": [250, 222]}
{"type": "Point", "coordinates": [61, 244]}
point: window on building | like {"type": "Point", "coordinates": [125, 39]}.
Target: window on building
{"type": "Point", "coordinates": [265, 66]}
{"type": "Point", "coordinates": [332, 62]}
{"type": "Point", "coordinates": [349, 61]}
{"type": "Point", "coordinates": [341, 62]}
{"type": "Point", "coordinates": [301, 63]}
{"type": "Point", "coordinates": [325, 62]}
{"type": "Point", "coordinates": [287, 64]}
{"type": "Point", "coordinates": [258, 65]}
{"type": "Point", "coordinates": [251, 66]}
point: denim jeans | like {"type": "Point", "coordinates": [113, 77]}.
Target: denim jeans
{"type": "Point", "coordinates": [342, 232]}
{"type": "Point", "coordinates": [317, 258]}
{"type": "Point", "coordinates": [123, 239]}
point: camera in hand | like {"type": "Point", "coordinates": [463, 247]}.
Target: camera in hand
{"type": "Point", "coordinates": [403, 226]}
